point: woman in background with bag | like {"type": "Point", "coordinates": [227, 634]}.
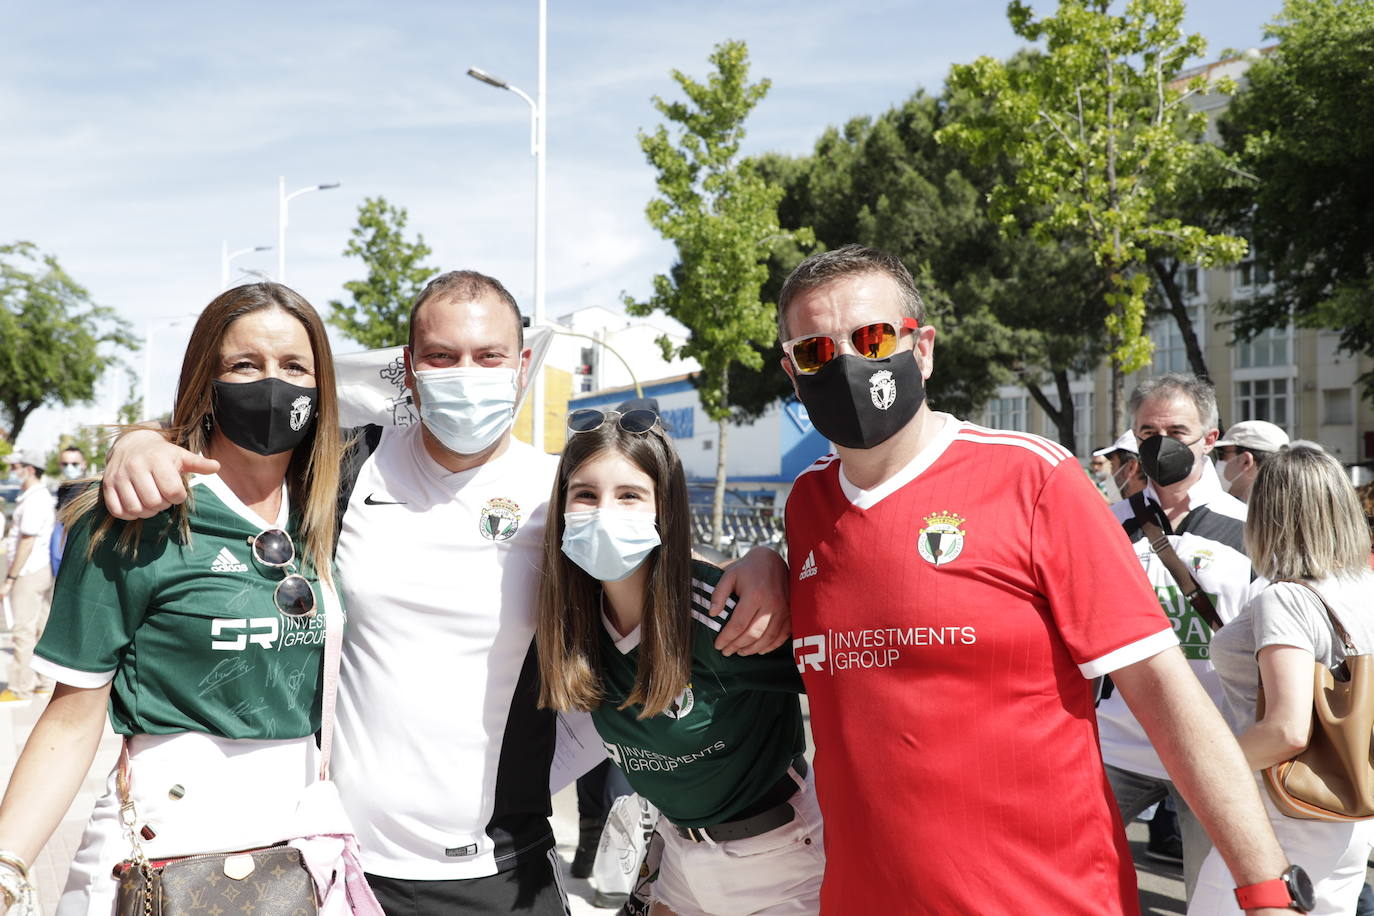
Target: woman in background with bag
{"type": "Point", "coordinates": [1306, 533]}
{"type": "Point", "coordinates": [203, 628]}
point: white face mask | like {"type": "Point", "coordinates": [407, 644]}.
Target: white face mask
{"type": "Point", "coordinates": [609, 544]}
{"type": "Point", "coordinates": [1222, 467]}
{"type": "Point", "coordinates": [71, 471]}
{"type": "Point", "coordinates": [466, 409]}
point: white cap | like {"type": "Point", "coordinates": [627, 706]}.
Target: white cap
{"type": "Point", "coordinates": [31, 457]}
{"type": "Point", "coordinates": [1124, 443]}
{"type": "Point", "coordinates": [1260, 435]}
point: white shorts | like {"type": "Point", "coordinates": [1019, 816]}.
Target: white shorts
{"type": "Point", "coordinates": [1333, 855]}
{"type": "Point", "coordinates": [198, 793]}
{"type": "Point", "coordinates": [775, 873]}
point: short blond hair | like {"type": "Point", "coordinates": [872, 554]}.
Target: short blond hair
{"type": "Point", "coordinates": [1304, 520]}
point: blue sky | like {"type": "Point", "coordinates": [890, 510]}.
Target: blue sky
{"type": "Point", "coordinates": [135, 138]}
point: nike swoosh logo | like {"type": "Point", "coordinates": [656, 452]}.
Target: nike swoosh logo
{"type": "Point", "coordinates": [368, 500]}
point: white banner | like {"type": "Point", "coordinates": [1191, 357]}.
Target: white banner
{"type": "Point", "coordinates": [372, 384]}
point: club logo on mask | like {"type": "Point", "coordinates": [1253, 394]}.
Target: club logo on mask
{"type": "Point", "coordinates": [941, 540]}
{"type": "Point", "coordinates": [500, 519]}
{"type": "Point", "coordinates": [300, 412]}
{"type": "Point", "coordinates": [882, 389]}
{"type": "Point", "coordinates": [682, 705]}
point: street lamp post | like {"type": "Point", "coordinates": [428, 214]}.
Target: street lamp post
{"type": "Point", "coordinates": [166, 321]}
{"type": "Point", "coordinates": [539, 118]}
{"type": "Point", "coordinates": [282, 200]}
{"type": "Point", "coordinates": [226, 256]}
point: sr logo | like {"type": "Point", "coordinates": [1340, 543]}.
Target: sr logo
{"type": "Point", "coordinates": [261, 630]}
{"type": "Point", "coordinates": [809, 652]}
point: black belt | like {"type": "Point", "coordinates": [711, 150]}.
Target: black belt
{"type": "Point", "coordinates": [772, 809]}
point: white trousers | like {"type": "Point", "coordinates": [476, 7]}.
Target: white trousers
{"type": "Point", "coordinates": [197, 793]}
{"type": "Point", "coordinates": [1332, 854]}
{"type": "Point", "coordinates": [777, 873]}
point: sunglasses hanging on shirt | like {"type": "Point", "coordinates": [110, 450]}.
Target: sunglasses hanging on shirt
{"type": "Point", "coordinates": [293, 595]}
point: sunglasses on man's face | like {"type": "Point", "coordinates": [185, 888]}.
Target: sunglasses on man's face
{"type": "Point", "coordinates": [810, 353]}
{"type": "Point", "coordinates": [586, 419]}
{"type": "Point", "coordinates": [293, 595]}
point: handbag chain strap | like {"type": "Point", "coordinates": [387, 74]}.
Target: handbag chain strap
{"type": "Point", "coordinates": [333, 651]}
{"type": "Point", "coordinates": [1330, 615]}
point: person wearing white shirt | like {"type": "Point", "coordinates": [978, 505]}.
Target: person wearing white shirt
{"type": "Point", "coordinates": [28, 578]}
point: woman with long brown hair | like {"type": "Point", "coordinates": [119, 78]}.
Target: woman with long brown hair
{"type": "Point", "coordinates": [714, 741]}
{"type": "Point", "coordinates": [201, 628]}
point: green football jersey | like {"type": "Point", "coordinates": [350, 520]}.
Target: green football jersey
{"type": "Point", "coordinates": [728, 738]}
{"type": "Point", "coordinates": [189, 630]}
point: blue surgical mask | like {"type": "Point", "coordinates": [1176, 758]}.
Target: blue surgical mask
{"type": "Point", "coordinates": [71, 471]}
{"type": "Point", "coordinates": [609, 544]}
{"type": "Point", "coordinates": [466, 409]}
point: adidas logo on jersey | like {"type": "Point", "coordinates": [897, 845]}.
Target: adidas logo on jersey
{"type": "Point", "coordinates": [809, 567]}
{"type": "Point", "coordinates": [227, 562]}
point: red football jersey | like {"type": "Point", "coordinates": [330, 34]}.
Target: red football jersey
{"type": "Point", "coordinates": [947, 624]}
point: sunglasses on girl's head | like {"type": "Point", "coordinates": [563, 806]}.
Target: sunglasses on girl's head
{"type": "Point", "coordinates": [586, 419]}
{"type": "Point", "coordinates": [293, 595]}
{"type": "Point", "coordinates": [871, 341]}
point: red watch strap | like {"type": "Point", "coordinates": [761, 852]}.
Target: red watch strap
{"type": "Point", "coordinates": [1272, 893]}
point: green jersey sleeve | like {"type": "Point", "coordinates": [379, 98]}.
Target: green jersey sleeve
{"type": "Point", "coordinates": [101, 596]}
{"type": "Point", "coordinates": [773, 671]}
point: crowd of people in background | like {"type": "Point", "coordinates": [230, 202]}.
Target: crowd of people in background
{"type": "Point", "coordinates": [1002, 666]}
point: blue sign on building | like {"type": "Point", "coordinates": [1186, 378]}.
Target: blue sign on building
{"type": "Point", "coordinates": [680, 422]}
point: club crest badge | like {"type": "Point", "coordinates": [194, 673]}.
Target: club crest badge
{"type": "Point", "coordinates": [500, 519]}
{"type": "Point", "coordinates": [882, 389]}
{"type": "Point", "coordinates": [682, 705]}
{"type": "Point", "coordinates": [1201, 560]}
{"type": "Point", "coordinates": [300, 412]}
{"type": "Point", "coordinates": [942, 539]}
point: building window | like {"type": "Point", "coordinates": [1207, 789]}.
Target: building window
{"type": "Point", "coordinates": [1170, 353]}
{"type": "Point", "coordinates": [1082, 423]}
{"type": "Point", "coordinates": [1007, 413]}
{"type": "Point", "coordinates": [1338, 407]}
{"type": "Point", "coordinates": [1270, 348]}
{"type": "Point", "coordinates": [1263, 399]}
{"type": "Point", "coordinates": [1251, 273]}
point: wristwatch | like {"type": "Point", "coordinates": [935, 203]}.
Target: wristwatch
{"type": "Point", "coordinates": [1290, 891]}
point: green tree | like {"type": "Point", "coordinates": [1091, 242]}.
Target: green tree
{"type": "Point", "coordinates": [53, 336]}
{"type": "Point", "coordinates": [722, 217]}
{"type": "Point", "coordinates": [1304, 129]}
{"type": "Point", "coordinates": [379, 315]}
{"type": "Point", "coordinates": [1006, 308]}
{"type": "Point", "coordinates": [1099, 137]}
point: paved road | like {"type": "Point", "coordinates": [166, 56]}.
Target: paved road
{"type": "Point", "coordinates": [1161, 886]}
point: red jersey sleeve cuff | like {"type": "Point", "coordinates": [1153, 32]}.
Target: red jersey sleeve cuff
{"type": "Point", "coordinates": [1130, 653]}
{"type": "Point", "coordinates": [64, 675]}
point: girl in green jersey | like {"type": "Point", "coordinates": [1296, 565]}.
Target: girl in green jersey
{"type": "Point", "coordinates": [714, 741]}
{"type": "Point", "coordinates": [197, 629]}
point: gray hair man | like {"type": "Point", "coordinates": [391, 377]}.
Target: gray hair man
{"type": "Point", "coordinates": [1174, 423]}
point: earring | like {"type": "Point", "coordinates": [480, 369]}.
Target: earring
{"type": "Point", "coordinates": [206, 424]}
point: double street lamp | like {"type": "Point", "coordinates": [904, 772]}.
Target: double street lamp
{"type": "Point", "coordinates": [538, 139]}
{"type": "Point", "coordinates": [282, 200]}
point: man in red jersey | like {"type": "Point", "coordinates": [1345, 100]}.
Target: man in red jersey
{"type": "Point", "coordinates": [955, 589]}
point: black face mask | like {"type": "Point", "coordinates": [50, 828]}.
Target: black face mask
{"type": "Point", "coordinates": [860, 403]}
{"type": "Point", "coordinates": [268, 416]}
{"type": "Point", "coordinates": [1165, 460]}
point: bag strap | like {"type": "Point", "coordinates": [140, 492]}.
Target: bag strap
{"type": "Point", "coordinates": [333, 653]}
{"type": "Point", "coordinates": [1330, 615]}
{"type": "Point", "coordinates": [1159, 543]}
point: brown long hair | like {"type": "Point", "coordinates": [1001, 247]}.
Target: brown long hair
{"type": "Point", "coordinates": [569, 623]}
{"type": "Point", "coordinates": [312, 478]}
